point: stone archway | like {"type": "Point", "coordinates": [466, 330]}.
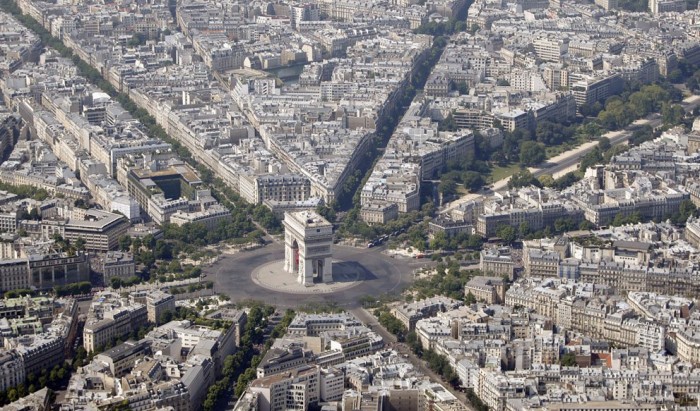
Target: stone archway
{"type": "Point", "coordinates": [308, 238]}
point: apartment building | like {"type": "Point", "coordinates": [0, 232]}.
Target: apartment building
{"type": "Point", "coordinates": [497, 262]}
{"type": "Point", "coordinates": [314, 324]}
{"type": "Point", "coordinates": [111, 317]}
{"type": "Point", "coordinates": [11, 370]}
{"type": "Point", "coordinates": [122, 358]}
{"type": "Point", "coordinates": [157, 304]}
{"type": "Point", "coordinates": [114, 264]}
{"type": "Point", "coordinates": [296, 389]}
{"type": "Point", "coordinates": [410, 313]}
{"type": "Point", "coordinates": [491, 290]}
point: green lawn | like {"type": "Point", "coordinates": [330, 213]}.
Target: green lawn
{"type": "Point", "coordinates": [461, 190]}
{"type": "Point", "coordinates": [553, 151]}
{"type": "Point", "coordinates": [499, 173]}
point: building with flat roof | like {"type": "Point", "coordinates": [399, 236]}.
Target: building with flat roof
{"type": "Point", "coordinates": [296, 389]}
{"type": "Point", "coordinates": [158, 303]}
{"type": "Point", "coordinates": [312, 325]}
{"type": "Point", "coordinates": [99, 229]}
{"type": "Point", "coordinates": [122, 358]}
{"type": "Point", "coordinates": [182, 340]}
{"type": "Point", "coordinates": [278, 360]}
{"type": "Point", "coordinates": [156, 188]}
{"type": "Point", "coordinates": [449, 227]}
{"type": "Point", "coordinates": [211, 217]}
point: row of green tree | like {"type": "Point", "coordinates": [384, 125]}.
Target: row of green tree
{"type": "Point", "coordinates": [54, 379]}
{"type": "Point", "coordinates": [601, 154]}
{"type": "Point", "coordinates": [23, 191]}
{"type": "Point", "coordinates": [80, 288]}
{"type": "Point", "coordinates": [174, 272]}
{"type": "Point", "coordinates": [408, 224]}
{"type": "Point", "coordinates": [234, 202]}
{"type": "Point", "coordinates": [191, 288]}
{"type": "Point", "coordinates": [686, 73]}
{"type": "Point", "coordinates": [117, 283]}
{"type": "Point", "coordinates": [161, 255]}
{"type": "Point", "coordinates": [438, 363]}
{"type": "Point", "coordinates": [148, 251]}
{"type": "Point", "coordinates": [240, 368]}
{"type": "Point", "coordinates": [620, 112]}
{"type": "Point", "coordinates": [19, 292]}
{"type": "Point", "coordinates": [526, 147]}
{"type": "Point", "coordinates": [259, 212]}
{"type": "Point", "coordinates": [449, 280]}
{"type": "Point", "coordinates": [468, 172]}
{"type": "Point", "coordinates": [462, 240]}
{"type": "Point", "coordinates": [475, 401]}
{"type": "Point", "coordinates": [509, 234]}
{"type": "Point", "coordinates": [197, 235]}
{"type": "Point", "coordinates": [391, 323]}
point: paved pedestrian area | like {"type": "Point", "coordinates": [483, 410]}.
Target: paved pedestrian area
{"type": "Point", "coordinates": [242, 276]}
{"type": "Point", "coordinates": [273, 277]}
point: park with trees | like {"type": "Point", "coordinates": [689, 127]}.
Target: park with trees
{"type": "Point", "coordinates": [530, 147]}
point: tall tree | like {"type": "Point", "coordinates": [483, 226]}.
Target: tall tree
{"type": "Point", "coordinates": [532, 153]}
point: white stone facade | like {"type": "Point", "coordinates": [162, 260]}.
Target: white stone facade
{"type": "Point", "coordinates": [308, 238]}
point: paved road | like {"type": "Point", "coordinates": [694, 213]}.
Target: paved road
{"type": "Point", "coordinates": [382, 274]}
{"type": "Point", "coordinates": [616, 137]}
{"type": "Point", "coordinates": [369, 320]}
{"type": "Point", "coordinates": [405, 351]}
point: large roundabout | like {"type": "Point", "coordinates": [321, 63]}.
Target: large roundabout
{"type": "Point", "coordinates": [357, 272]}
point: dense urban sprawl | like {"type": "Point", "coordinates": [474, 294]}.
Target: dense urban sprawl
{"type": "Point", "coordinates": [535, 163]}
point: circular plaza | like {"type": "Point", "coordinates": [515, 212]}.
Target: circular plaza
{"type": "Point", "coordinates": [272, 276]}
{"type": "Point", "coordinates": [260, 275]}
